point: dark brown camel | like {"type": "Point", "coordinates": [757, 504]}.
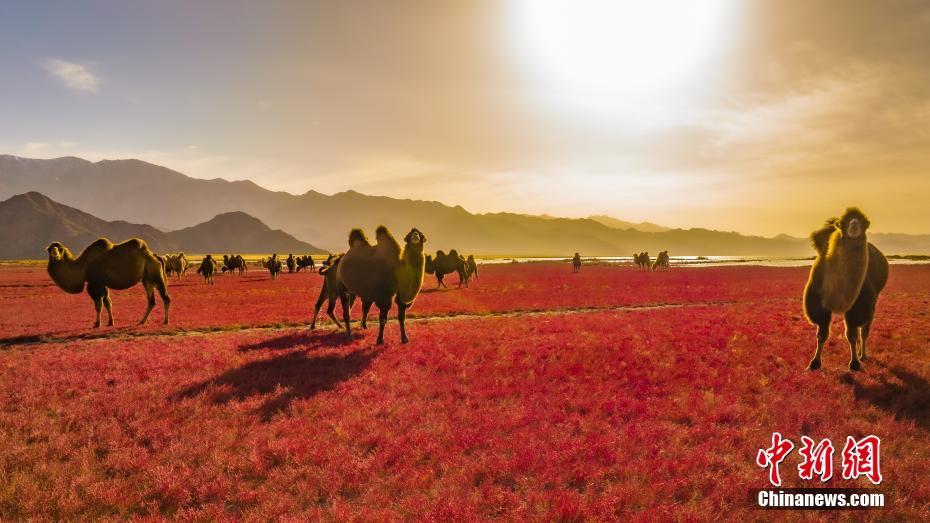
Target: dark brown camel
{"type": "Point", "coordinates": [377, 273]}
{"type": "Point", "coordinates": [332, 290]}
{"type": "Point", "coordinates": [446, 264]}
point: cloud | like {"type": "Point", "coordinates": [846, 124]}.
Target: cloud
{"type": "Point", "coordinates": [74, 75]}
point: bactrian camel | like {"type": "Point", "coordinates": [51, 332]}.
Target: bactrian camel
{"type": "Point", "coordinates": [103, 266]}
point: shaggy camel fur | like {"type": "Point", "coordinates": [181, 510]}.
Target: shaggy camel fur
{"type": "Point", "coordinates": [103, 266]}
{"type": "Point", "coordinates": [332, 290]}
{"type": "Point", "coordinates": [445, 264]}
{"type": "Point", "coordinates": [207, 268]}
{"type": "Point", "coordinates": [662, 261]}
{"type": "Point", "coordinates": [177, 264]}
{"type": "Point", "coordinates": [846, 278]}
{"type": "Point", "coordinates": [378, 273]}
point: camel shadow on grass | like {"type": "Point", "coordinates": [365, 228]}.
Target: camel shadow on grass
{"type": "Point", "coordinates": [909, 399]}
{"type": "Point", "coordinates": [284, 379]}
{"type": "Point", "coordinates": [311, 339]}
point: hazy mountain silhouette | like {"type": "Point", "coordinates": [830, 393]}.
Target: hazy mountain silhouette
{"type": "Point", "coordinates": [31, 221]}
{"type": "Point", "coordinates": [614, 223]}
{"type": "Point", "coordinates": [144, 193]}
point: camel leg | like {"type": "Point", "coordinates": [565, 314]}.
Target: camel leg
{"type": "Point", "coordinates": [401, 317]}
{"type": "Point", "coordinates": [96, 294]}
{"type": "Point", "coordinates": [366, 306]}
{"type": "Point", "coordinates": [109, 307]}
{"type": "Point", "coordinates": [383, 309]}
{"type": "Point", "coordinates": [863, 340]}
{"type": "Point", "coordinates": [319, 305]}
{"type": "Point", "coordinates": [330, 311]}
{"type": "Point", "coordinates": [823, 332]}
{"type": "Point", "coordinates": [852, 335]}
{"type": "Point", "coordinates": [150, 295]}
{"type": "Point", "coordinates": [165, 299]}
{"type": "Point", "coordinates": [344, 300]}
{"type": "Point", "coordinates": [98, 302]}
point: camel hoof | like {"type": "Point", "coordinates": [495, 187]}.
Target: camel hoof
{"type": "Point", "coordinates": [814, 365]}
{"type": "Point", "coordinates": [96, 325]}
{"type": "Point", "coordinates": [405, 340]}
{"type": "Point", "coordinates": [854, 365]}
{"type": "Point", "coordinates": [380, 341]}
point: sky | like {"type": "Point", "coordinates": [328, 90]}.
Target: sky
{"type": "Point", "coordinates": [762, 117]}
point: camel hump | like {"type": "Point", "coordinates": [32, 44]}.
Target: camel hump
{"type": "Point", "coordinates": [453, 252]}
{"type": "Point", "coordinates": [102, 243]}
{"type": "Point", "coordinates": [440, 254]}
{"type": "Point", "coordinates": [357, 236]}
{"type": "Point", "coordinates": [820, 239]}
{"type": "Point", "coordinates": [386, 241]}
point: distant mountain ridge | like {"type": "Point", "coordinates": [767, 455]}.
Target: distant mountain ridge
{"type": "Point", "coordinates": [614, 223]}
{"type": "Point", "coordinates": [144, 193]}
{"type": "Point", "coordinates": [32, 220]}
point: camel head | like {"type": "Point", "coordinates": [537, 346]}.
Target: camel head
{"type": "Point", "coordinates": [853, 224]}
{"type": "Point", "coordinates": [57, 252]}
{"type": "Point", "coordinates": [415, 238]}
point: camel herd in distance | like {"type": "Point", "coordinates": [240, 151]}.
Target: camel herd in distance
{"type": "Point", "coordinates": [846, 277]}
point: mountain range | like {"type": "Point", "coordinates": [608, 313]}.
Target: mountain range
{"type": "Point", "coordinates": [31, 221]}
{"type": "Point", "coordinates": [143, 193]}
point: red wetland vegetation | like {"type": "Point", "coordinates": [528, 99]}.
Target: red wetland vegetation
{"type": "Point", "coordinates": [533, 394]}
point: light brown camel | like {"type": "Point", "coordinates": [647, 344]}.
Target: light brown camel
{"type": "Point", "coordinates": [176, 264]}
{"type": "Point", "coordinates": [377, 273]}
{"type": "Point", "coordinates": [274, 266]}
{"type": "Point", "coordinates": [103, 266]}
{"type": "Point", "coordinates": [846, 278]}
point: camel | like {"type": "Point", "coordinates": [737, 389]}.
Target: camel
{"type": "Point", "coordinates": [662, 261]}
{"type": "Point", "coordinates": [471, 267]}
{"type": "Point", "coordinates": [846, 278]}
{"type": "Point", "coordinates": [207, 268]}
{"type": "Point", "coordinates": [234, 263]}
{"type": "Point", "coordinates": [332, 290]}
{"type": "Point", "coordinates": [444, 264]}
{"type": "Point", "coordinates": [104, 266]}
{"type": "Point", "coordinates": [305, 262]}
{"type": "Point", "coordinates": [377, 273]}
{"type": "Point", "coordinates": [291, 263]}
{"type": "Point", "coordinates": [576, 263]}
{"type": "Point", "coordinates": [641, 260]}
{"type": "Point", "coordinates": [274, 266]}
{"type": "Point", "coordinates": [177, 264]}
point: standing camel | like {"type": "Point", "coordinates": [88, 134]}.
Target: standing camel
{"type": "Point", "coordinates": [332, 290]}
{"type": "Point", "coordinates": [576, 263]}
{"type": "Point", "coordinates": [471, 267]}
{"type": "Point", "coordinates": [846, 278]}
{"type": "Point", "coordinates": [446, 264]}
{"type": "Point", "coordinates": [377, 273]}
{"type": "Point", "coordinates": [103, 266]}
{"type": "Point", "coordinates": [207, 268]}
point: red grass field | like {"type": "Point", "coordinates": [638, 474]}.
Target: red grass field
{"type": "Point", "coordinates": [236, 411]}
